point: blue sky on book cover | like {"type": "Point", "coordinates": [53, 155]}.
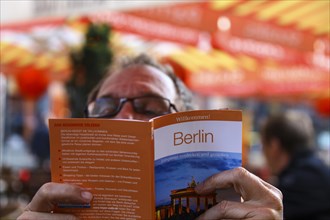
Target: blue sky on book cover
{"type": "Point", "coordinates": [177, 171]}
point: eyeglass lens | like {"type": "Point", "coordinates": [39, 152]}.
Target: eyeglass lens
{"type": "Point", "coordinates": [108, 106]}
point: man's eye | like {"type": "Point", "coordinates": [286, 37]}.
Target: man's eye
{"type": "Point", "coordinates": [154, 108]}
{"type": "Point", "coordinates": [146, 109]}
{"type": "Point", "coordinates": [150, 113]}
{"type": "Point", "coordinates": [102, 110]}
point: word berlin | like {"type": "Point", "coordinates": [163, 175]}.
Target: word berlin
{"type": "Point", "coordinates": [199, 137]}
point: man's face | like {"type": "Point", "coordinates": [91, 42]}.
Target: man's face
{"type": "Point", "coordinates": [137, 81]}
{"type": "Point", "coordinates": [273, 155]}
{"type": "Point", "coordinates": [267, 153]}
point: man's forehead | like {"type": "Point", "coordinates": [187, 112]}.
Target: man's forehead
{"type": "Point", "coordinates": [140, 72]}
{"type": "Point", "coordinates": [138, 79]}
{"type": "Point", "coordinates": [139, 69]}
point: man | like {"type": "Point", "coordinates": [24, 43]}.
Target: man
{"type": "Point", "coordinates": [142, 89]}
{"type": "Point", "coordinates": [303, 178]}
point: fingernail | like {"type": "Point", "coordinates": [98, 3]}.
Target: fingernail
{"type": "Point", "coordinates": [86, 195]}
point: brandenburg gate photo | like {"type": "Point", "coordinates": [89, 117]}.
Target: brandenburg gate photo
{"type": "Point", "coordinates": [182, 200]}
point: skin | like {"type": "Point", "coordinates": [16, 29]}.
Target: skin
{"type": "Point", "coordinates": [137, 81]}
{"type": "Point", "coordinates": [261, 200]}
{"type": "Point", "coordinates": [277, 158]}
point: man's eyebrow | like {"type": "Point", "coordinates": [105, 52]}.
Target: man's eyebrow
{"type": "Point", "coordinates": [151, 94]}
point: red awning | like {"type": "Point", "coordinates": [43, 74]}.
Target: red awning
{"type": "Point", "coordinates": [236, 48]}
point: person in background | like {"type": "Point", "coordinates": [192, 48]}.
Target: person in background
{"type": "Point", "coordinates": [303, 178]}
{"type": "Point", "coordinates": [141, 89]}
{"type": "Point", "coordinates": [40, 142]}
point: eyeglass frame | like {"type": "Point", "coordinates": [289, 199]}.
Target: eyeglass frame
{"type": "Point", "coordinates": [124, 100]}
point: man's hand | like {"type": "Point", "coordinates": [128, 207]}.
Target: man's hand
{"type": "Point", "coordinates": [261, 200]}
{"type": "Point", "coordinates": [49, 195]}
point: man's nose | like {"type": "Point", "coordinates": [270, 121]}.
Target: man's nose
{"type": "Point", "coordinates": [126, 112]}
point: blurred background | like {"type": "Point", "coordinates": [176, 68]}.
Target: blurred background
{"type": "Point", "coordinates": [261, 56]}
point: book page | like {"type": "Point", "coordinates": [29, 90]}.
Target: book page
{"type": "Point", "coordinates": [189, 147]}
{"type": "Point", "coordinates": [112, 158]}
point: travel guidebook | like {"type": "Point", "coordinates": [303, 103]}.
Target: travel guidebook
{"type": "Point", "coordinates": [146, 170]}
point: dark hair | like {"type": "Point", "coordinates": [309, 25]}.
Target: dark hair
{"type": "Point", "coordinates": [184, 94]}
{"type": "Point", "coordinates": [293, 129]}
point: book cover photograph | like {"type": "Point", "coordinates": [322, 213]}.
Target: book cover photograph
{"type": "Point", "coordinates": [202, 144]}
{"type": "Point", "coordinates": [176, 177]}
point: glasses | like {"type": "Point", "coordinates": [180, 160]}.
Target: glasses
{"type": "Point", "coordinates": [151, 106]}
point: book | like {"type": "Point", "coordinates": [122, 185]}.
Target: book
{"type": "Point", "coordinates": [146, 169]}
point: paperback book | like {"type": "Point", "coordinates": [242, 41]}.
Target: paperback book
{"type": "Point", "coordinates": [146, 169]}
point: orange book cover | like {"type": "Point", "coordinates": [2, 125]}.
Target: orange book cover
{"type": "Point", "coordinates": [113, 158]}
{"type": "Point", "coordinates": [146, 170]}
